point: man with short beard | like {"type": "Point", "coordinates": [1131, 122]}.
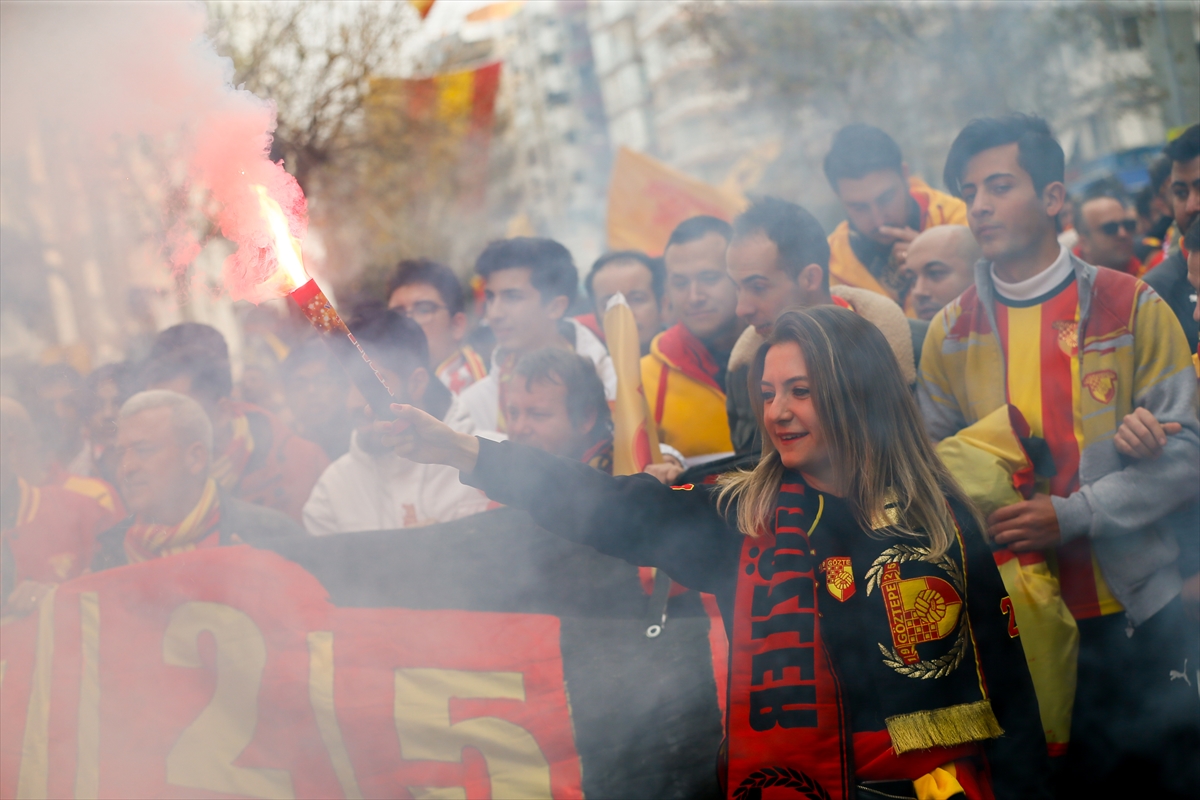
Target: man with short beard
{"type": "Point", "coordinates": [885, 210]}
{"type": "Point", "coordinates": [1169, 278]}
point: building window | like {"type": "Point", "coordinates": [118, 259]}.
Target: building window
{"type": "Point", "coordinates": [557, 98]}
{"type": "Point", "coordinates": [1121, 31]}
{"type": "Point", "coordinates": [1131, 36]}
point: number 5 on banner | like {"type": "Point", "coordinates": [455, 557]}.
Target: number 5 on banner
{"type": "Point", "coordinates": [515, 763]}
{"type": "Point", "coordinates": [204, 755]}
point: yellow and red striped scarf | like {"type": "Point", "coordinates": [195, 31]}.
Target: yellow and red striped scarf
{"type": "Point", "coordinates": [227, 468]}
{"type": "Point", "coordinates": [146, 541]}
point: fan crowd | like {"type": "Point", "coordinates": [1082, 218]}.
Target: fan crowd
{"type": "Point", "coordinates": [1002, 293]}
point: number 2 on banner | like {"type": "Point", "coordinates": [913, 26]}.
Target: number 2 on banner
{"type": "Point", "coordinates": [515, 763]}
{"type": "Point", "coordinates": [204, 755]}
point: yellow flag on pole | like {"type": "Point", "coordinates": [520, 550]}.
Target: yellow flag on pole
{"type": "Point", "coordinates": [635, 440]}
{"type": "Point", "coordinates": [647, 199]}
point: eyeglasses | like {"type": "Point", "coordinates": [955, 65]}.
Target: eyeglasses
{"type": "Point", "coordinates": [1111, 228]}
{"type": "Point", "coordinates": [422, 309]}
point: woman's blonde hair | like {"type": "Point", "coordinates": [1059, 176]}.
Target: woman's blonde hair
{"type": "Point", "coordinates": [883, 460]}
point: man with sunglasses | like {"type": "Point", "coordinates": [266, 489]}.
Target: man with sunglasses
{"type": "Point", "coordinates": [431, 296]}
{"type": "Point", "coordinates": [1107, 226]}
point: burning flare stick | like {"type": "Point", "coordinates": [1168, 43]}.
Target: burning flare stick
{"type": "Point", "coordinates": [292, 278]}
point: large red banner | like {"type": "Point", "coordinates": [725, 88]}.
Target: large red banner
{"type": "Point", "coordinates": [227, 672]}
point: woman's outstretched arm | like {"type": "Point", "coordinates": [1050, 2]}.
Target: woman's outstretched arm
{"type": "Point", "coordinates": [634, 518]}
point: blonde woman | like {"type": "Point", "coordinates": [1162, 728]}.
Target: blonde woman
{"type": "Point", "coordinates": [872, 649]}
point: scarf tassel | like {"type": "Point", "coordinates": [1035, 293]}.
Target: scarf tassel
{"type": "Point", "coordinates": [943, 727]}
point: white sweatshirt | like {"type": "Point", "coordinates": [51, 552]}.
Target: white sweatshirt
{"type": "Point", "coordinates": [363, 491]}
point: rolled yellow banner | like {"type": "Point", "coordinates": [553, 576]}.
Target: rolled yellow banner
{"type": "Point", "coordinates": [635, 438]}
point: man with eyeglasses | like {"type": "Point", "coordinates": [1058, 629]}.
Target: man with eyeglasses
{"type": "Point", "coordinates": [430, 294]}
{"type": "Point", "coordinates": [1106, 225]}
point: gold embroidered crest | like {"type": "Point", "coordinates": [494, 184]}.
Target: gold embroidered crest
{"type": "Point", "coordinates": [920, 610]}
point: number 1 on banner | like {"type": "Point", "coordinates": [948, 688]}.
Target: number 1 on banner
{"type": "Point", "coordinates": [204, 755]}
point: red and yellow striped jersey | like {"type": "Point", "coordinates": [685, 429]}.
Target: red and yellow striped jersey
{"type": "Point", "coordinates": [1040, 345]}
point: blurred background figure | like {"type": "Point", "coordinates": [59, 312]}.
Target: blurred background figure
{"type": "Point", "coordinates": [556, 403]}
{"type": "Point", "coordinates": [265, 346]}
{"type": "Point", "coordinates": [1107, 227]}
{"type": "Point", "coordinates": [1154, 214]}
{"type": "Point", "coordinates": [54, 400]}
{"type": "Point", "coordinates": [1169, 278]}
{"type": "Point", "coordinates": [637, 276]}
{"type": "Point", "coordinates": [315, 386]}
{"type": "Point", "coordinates": [256, 457]}
{"type": "Point", "coordinates": [885, 209]}
{"type": "Point", "coordinates": [165, 439]}
{"type": "Point", "coordinates": [47, 533]}
{"type": "Point", "coordinates": [430, 294]}
{"type": "Point", "coordinates": [370, 487]}
{"type": "Point", "coordinates": [684, 374]}
{"type": "Point", "coordinates": [529, 284]}
{"type": "Point", "coordinates": [104, 391]}
{"type": "Point", "coordinates": [942, 263]}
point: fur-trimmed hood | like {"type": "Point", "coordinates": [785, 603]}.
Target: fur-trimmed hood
{"type": "Point", "coordinates": [873, 307]}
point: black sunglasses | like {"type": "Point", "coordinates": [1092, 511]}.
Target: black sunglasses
{"type": "Point", "coordinates": [1111, 228]}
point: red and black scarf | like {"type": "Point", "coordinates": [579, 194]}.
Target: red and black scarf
{"type": "Point", "coordinates": [852, 656]}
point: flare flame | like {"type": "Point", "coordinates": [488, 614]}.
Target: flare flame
{"type": "Point", "coordinates": [290, 274]}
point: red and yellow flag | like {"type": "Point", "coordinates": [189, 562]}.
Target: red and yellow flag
{"type": "Point", "coordinates": [422, 6]}
{"type": "Point", "coordinates": [495, 11]}
{"type": "Point", "coordinates": [635, 441]}
{"type": "Point", "coordinates": [459, 106]}
{"type": "Point", "coordinates": [647, 199]}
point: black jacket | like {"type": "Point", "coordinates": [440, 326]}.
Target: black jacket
{"type": "Point", "coordinates": [254, 525]}
{"type": "Point", "coordinates": [637, 519]}
{"type": "Point", "coordinates": [1169, 279]}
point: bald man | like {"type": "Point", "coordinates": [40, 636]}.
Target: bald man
{"type": "Point", "coordinates": [942, 262]}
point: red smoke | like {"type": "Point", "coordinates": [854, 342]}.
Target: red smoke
{"type": "Point", "coordinates": [124, 70]}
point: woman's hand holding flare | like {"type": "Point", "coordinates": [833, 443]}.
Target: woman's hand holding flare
{"type": "Point", "coordinates": [415, 435]}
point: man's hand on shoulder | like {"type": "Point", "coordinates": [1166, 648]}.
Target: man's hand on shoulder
{"type": "Point", "coordinates": [1028, 525]}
